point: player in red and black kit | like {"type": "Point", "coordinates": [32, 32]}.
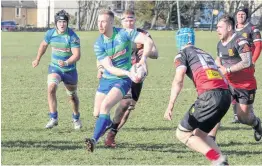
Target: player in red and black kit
{"type": "Point", "coordinates": [252, 34]}
{"type": "Point", "coordinates": [213, 99]}
{"type": "Point", "coordinates": [235, 62]}
{"type": "Point", "coordinates": [129, 101]}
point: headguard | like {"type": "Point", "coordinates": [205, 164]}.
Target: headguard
{"type": "Point", "coordinates": [185, 36]}
{"type": "Point", "coordinates": [61, 15]}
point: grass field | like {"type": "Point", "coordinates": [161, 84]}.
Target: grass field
{"type": "Point", "coordinates": [145, 140]}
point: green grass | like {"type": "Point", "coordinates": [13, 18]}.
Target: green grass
{"type": "Point", "coordinates": [145, 139]}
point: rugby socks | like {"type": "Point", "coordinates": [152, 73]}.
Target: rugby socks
{"type": "Point", "coordinates": [212, 155]}
{"type": "Point", "coordinates": [53, 115]}
{"type": "Point", "coordinates": [114, 127]}
{"type": "Point", "coordinates": [76, 117]}
{"type": "Point", "coordinates": [101, 123]}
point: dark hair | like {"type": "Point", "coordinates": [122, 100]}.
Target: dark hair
{"type": "Point", "coordinates": [229, 20]}
{"type": "Point", "coordinates": [61, 15]}
{"type": "Point", "coordinates": [107, 12]}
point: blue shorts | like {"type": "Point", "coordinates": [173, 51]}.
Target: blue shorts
{"type": "Point", "coordinates": [70, 77]}
{"type": "Point", "coordinates": [105, 85]}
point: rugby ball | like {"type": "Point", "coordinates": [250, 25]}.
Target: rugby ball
{"type": "Point", "coordinates": [138, 73]}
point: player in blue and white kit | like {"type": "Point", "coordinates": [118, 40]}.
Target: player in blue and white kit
{"type": "Point", "coordinates": [113, 51]}
{"type": "Point", "coordinates": [65, 53]}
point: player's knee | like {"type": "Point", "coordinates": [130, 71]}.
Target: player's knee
{"type": "Point", "coordinates": [105, 107]}
{"type": "Point", "coordinates": [52, 81]}
{"type": "Point", "coordinates": [71, 94]}
{"type": "Point", "coordinates": [131, 107]}
{"type": "Point", "coordinates": [183, 136]}
{"type": "Point", "coordinates": [125, 104]}
{"type": "Point", "coordinates": [52, 88]}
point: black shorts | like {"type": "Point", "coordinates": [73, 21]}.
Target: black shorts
{"type": "Point", "coordinates": [134, 92]}
{"type": "Point", "coordinates": [207, 111]}
{"type": "Point", "coordinates": [243, 96]}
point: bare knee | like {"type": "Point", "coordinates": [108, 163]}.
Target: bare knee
{"type": "Point", "coordinates": [124, 104]}
{"type": "Point", "coordinates": [72, 95]}
{"type": "Point", "coordinates": [183, 136]}
{"type": "Point", "coordinates": [52, 89]}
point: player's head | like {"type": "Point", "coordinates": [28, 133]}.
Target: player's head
{"type": "Point", "coordinates": [61, 20]}
{"type": "Point", "coordinates": [105, 21]}
{"type": "Point", "coordinates": [225, 27]}
{"type": "Point", "coordinates": [185, 36]}
{"type": "Point", "coordinates": [242, 15]}
{"type": "Point", "coordinates": [128, 19]}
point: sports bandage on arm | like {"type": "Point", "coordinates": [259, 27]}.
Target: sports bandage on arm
{"type": "Point", "coordinates": [244, 63]}
{"type": "Point", "coordinates": [257, 51]}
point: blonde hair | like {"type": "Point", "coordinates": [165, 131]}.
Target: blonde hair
{"type": "Point", "coordinates": [107, 12]}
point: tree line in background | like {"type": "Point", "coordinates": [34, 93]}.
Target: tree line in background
{"type": "Point", "coordinates": [153, 14]}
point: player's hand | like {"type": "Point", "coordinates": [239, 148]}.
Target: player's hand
{"type": "Point", "coordinates": [62, 63]}
{"type": "Point", "coordinates": [128, 73]}
{"type": "Point", "coordinates": [168, 114]}
{"type": "Point", "coordinates": [35, 63]}
{"type": "Point", "coordinates": [223, 70]}
{"type": "Point", "coordinates": [140, 52]}
{"type": "Point", "coordinates": [99, 74]}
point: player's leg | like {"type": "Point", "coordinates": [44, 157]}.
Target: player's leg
{"type": "Point", "coordinates": [122, 113]}
{"type": "Point", "coordinates": [234, 107]}
{"type": "Point", "coordinates": [117, 89]}
{"type": "Point", "coordinates": [53, 81]}
{"type": "Point", "coordinates": [121, 110]}
{"type": "Point", "coordinates": [212, 134]}
{"type": "Point", "coordinates": [245, 111]}
{"type": "Point", "coordinates": [135, 93]}
{"type": "Point", "coordinates": [70, 82]}
{"type": "Point", "coordinates": [202, 117]}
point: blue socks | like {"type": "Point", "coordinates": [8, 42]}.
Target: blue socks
{"type": "Point", "coordinates": [53, 115]}
{"type": "Point", "coordinates": [76, 117]}
{"type": "Point", "coordinates": [101, 123]}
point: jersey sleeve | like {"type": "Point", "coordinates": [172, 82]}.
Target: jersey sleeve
{"type": "Point", "coordinates": [131, 34]}
{"type": "Point", "coordinates": [256, 36]}
{"type": "Point", "coordinates": [47, 36]}
{"type": "Point", "coordinates": [99, 51]}
{"type": "Point", "coordinates": [243, 46]}
{"type": "Point", "coordinates": [74, 41]}
{"type": "Point", "coordinates": [180, 61]}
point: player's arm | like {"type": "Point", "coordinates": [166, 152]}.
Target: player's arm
{"type": "Point", "coordinates": [148, 45]}
{"type": "Point", "coordinates": [244, 51]}
{"type": "Point", "coordinates": [76, 54]}
{"type": "Point", "coordinates": [177, 86]}
{"type": "Point", "coordinates": [75, 49]}
{"type": "Point", "coordinates": [41, 51]}
{"type": "Point", "coordinates": [154, 52]}
{"type": "Point", "coordinates": [218, 62]}
{"type": "Point", "coordinates": [100, 69]}
{"type": "Point", "coordinates": [256, 36]}
{"type": "Point", "coordinates": [107, 64]}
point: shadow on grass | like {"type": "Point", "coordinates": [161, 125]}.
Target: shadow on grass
{"type": "Point", "coordinates": [231, 143]}
{"type": "Point", "coordinates": [241, 153]}
{"type": "Point", "coordinates": [149, 129]}
{"type": "Point", "coordinates": [50, 145]}
{"type": "Point", "coordinates": [241, 127]}
{"type": "Point", "coordinates": [160, 147]}
{"type": "Point", "coordinates": [69, 145]}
